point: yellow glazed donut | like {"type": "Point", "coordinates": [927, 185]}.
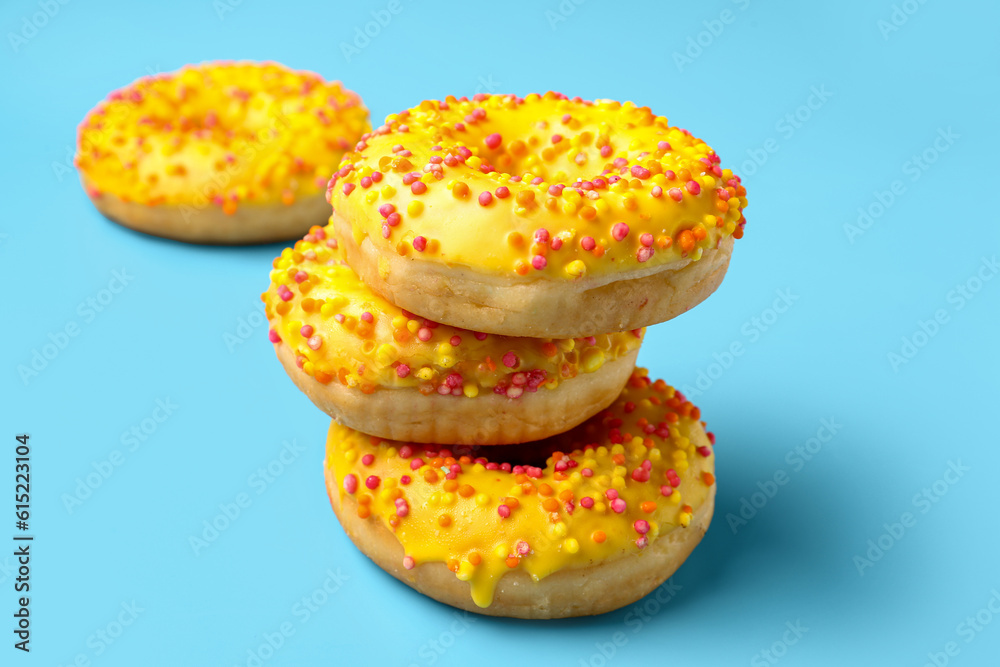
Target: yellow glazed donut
{"type": "Point", "coordinates": [541, 216]}
{"type": "Point", "coordinates": [223, 152]}
{"type": "Point", "coordinates": [618, 504]}
{"type": "Point", "coordinates": [385, 371]}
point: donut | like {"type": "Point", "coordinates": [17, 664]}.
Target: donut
{"type": "Point", "coordinates": [581, 523]}
{"type": "Point", "coordinates": [385, 371]}
{"type": "Point", "coordinates": [219, 153]}
{"type": "Point", "coordinates": [541, 216]}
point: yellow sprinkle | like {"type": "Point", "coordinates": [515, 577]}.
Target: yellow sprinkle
{"type": "Point", "coordinates": [470, 389]}
{"type": "Point", "coordinates": [414, 208]}
{"type": "Point", "coordinates": [576, 268]}
{"type": "Point", "coordinates": [388, 191]}
{"type": "Point", "coordinates": [571, 545]}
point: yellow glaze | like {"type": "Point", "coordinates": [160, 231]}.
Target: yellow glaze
{"type": "Point", "coordinates": [643, 466]}
{"type": "Point", "coordinates": [543, 186]}
{"type": "Point", "coordinates": [219, 134]}
{"type": "Point", "coordinates": [341, 331]}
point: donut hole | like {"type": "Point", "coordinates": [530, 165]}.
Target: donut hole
{"type": "Point", "coordinates": [557, 150]}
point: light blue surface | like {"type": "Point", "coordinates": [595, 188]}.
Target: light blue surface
{"type": "Point", "coordinates": [162, 338]}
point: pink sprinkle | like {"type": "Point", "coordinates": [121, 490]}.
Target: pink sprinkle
{"type": "Point", "coordinates": [646, 239]}
{"type": "Point", "coordinates": [273, 336]}
{"type": "Point", "coordinates": [641, 526]}
{"type": "Point", "coordinates": [693, 187]}
{"type": "Point", "coordinates": [372, 482]}
{"type": "Point", "coordinates": [704, 451]}
{"type": "Point", "coordinates": [556, 243]}
{"type": "Point", "coordinates": [416, 463]}
{"type": "Point", "coordinates": [406, 451]}
{"type": "Point", "coordinates": [587, 472]}
{"type": "Point", "coordinates": [377, 176]}
{"type": "Point", "coordinates": [644, 253]}
{"type": "Point", "coordinates": [366, 182]}
{"type": "Point", "coordinates": [405, 479]}
{"type": "Point", "coordinates": [657, 191]}
{"type": "Point", "coordinates": [514, 392]}
{"type": "Point", "coordinates": [367, 317]}
{"type": "Point", "coordinates": [663, 146]}
{"type": "Point", "coordinates": [522, 548]}
{"type": "Point", "coordinates": [455, 341]}
{"type": "Point", "coordinates": [675, 194]}
{"type": "Point", "coordinates": [611, 494]}
{"type": "Point", "coordinates": [306, 330]}
{"type": "Point", "coordinates": [556, 189]}
{"type": "Point", "coordinates": [300, 276]}
{"type": "Point", "coordinates": [586, 502]}
{"type": "Point", "coordinates": [666, 490]}
{"type": "Point", "coordinates": [669, 173]}
{"type": "Point", "coordinates": [642, 542]}
{"type": "Point", "coordinates": [502, 192]}
{"type": "Point", "coordinates": [386, 230]}
{"type": "Point", "coordinates": [493, 141]}
{"type": "Point", "coordinates": [588, 243]}
{"type": "Point", "coordinates": [566, 118]}
{"type": "Point", "coordinates": [385, 209]}
{"type": "Point", "coordinates": [419, 243]}
{"type": "Point", "coordinates": [542, 235]}
{"type": "Point", "coordinates": [485, 197]}
{"type": "Point", "coordinates": [640, 172]}
{"type": "Point", "coordinates": [618, 505]}
{"type": "Point", "coordinates": [418, 187]}
{"type": "Point", "coordinates": [511, 360]}
{"type": "Point", "coordinates": [424, 334]}
{"type": "Point", "coordinates": [350, 483]}
{"type": "Point", "coordinates": [315, 342]}
{"type": "Point", "coordinates": [619, 231]}
{"type": "Point", "coordinates": [402, 509]}
{"type": "Point", "coordinates": [409, 563]}
{"type": "Point", "coordinates": [556, 138]}
{"type": "Point", "coordinates": [348, 188]}
{"type": "Point", "coordinates": [539, 262]}
{"type": "Point", "coordinates": [606, 150]}
{"type": "Point", "coordinates": [503, 511]}
{"type": "Point", "coordinates": [368, 459]}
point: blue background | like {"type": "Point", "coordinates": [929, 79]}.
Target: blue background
{"type": "Point", "coordinates": [888, 95]}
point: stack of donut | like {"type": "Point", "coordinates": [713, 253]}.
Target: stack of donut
{"type": "Point", "coordinates": [470, 317]}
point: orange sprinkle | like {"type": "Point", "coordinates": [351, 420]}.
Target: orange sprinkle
{"type": "Point", "coordinates": [475, 558]}
{"type": "Point", "coordinates": [466, 490]}
{"type": "Point", "coordinates": [460, 190]}
{"type": "Point", "coordinates": [566, 495]}
{"type": "Point", "coordinates": [450, 485]}
{"type": "Point", "coordinates": [511, 502]}
{"type": "Point", "coordinates": [648, 507]}
{"type": "Point", "coordinates": [708, 478]}
{"type": "Point", "coordinates": [551, 505]}
{"type": "Point", "coordinates": [444, 520]}
{"type": "Point", "coordinates": [598, 536]}
{"type": "Point", "coordinates": [512, 561]}
{"type": "Point", "coordinates": [364, 511]}
{"type": "Point", "coordinates": [545, 490]}
{"type": "Point", "coordinates": [619, 459]}
{"type": "Point", "coordinates": [430, 476]}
